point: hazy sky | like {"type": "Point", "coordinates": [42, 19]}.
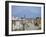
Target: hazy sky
{"type": "Point", "coordinates": [28, 11]}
